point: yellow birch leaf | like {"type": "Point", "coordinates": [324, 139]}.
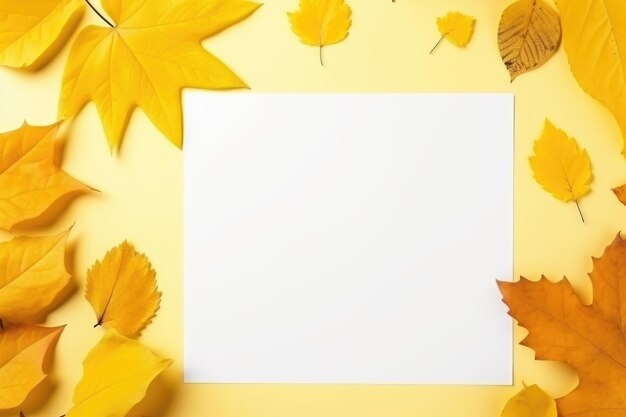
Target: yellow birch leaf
{"type": "Point", "coordinates": [116, 376]}
{"type": "Point", "coordinates": [30, 181]}
{"type": "Point", "coordinates": [456, 27]}
{"type": "Point", "coordinates": [32, 275]}
{"type": "Point", "coordinates": [31, 31]}
{"type": "Point", "coordinates": [560, 166]}
{"type": "Point", "coordinates": [530, 402]}
{"type": "Point", "coordinates": [321, 22]}
{"type": "Point", "coordinates": [145, 59]}
{"type": "Point", "coordinates": [23, 351]}
{"type": "Point", "coordinates": [528, 35]}
{"type": "Point", "coordinates": [122, 290]}
{"type": "Point", "coordinates": [594, 38]}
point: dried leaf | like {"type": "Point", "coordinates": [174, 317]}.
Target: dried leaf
{"type": "Point", "coordinates": [529, 34]}
{"type": "Point", "coordinates": [560, 166]}
{"type": "Point", "coordinates": [321, 22]}
{"type": "Point", "coordinates": [594, 38]}
{"type": "Point", "coordinates": [30, 182]}
{"type": "Point", "coordinates": [530, 402]}
{"type": "Point", "coordinates": [456, 27]}
{"type": "Point", "coordinates": [32, 274]}
{"type": "Point", "coordinates": [151, 54]}
{"type": "Point", "coordinates": [117, 373]}
{"type": "Point", "coordinates": [30, 29]}
{"type": "Point", "coordinates": [589, 338]}
{"type": "Point", "coordinates": [122, 290]}
{"type": "Point", "coordinates": [23, 350]}
{"type": "Point", "coordinates": [620, 193]}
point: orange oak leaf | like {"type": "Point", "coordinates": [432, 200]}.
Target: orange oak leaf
{"type": "Point", "coordinates": [30, 181]}
{"type": "Point", "coordinates": [589, 338]}
{"type": "Point", "coordinates": [23, 361]}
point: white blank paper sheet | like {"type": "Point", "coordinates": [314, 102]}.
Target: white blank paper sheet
{"type": "Point", "coordinates": [348, 238]}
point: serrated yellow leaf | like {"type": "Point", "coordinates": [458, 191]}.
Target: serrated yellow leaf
{"type": "Point", "coordinates": [30, 30]}
{"type": "Point", "coordinates": [560, 166]}
{"type": "Point", "coordinates": [146, 60]}
{"type": "Point", "coordinates": [122, 290]}
{"type": "Point", "coordinates": [23, 350]}
{"type": "Point", "coordinates": [528, 35]}
{"type": "Point", "coordinates": [594, 38]}
{"type": "Point", "coordinates": [117, 373]}
{"type": "Point", "coordinates": [30, 182]}
{"type": "Point", "coordinates": [531, 401]}
{"type": "Point", "coordinates": [32, 275]}
{"type": "Point", "coordinates": [321, 22]}
{"type": "Point", "coordinates": [456, 27]}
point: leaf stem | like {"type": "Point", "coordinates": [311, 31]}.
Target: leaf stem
{"type": "Point", "coordinates": [321, 58]}
{"type": "Point", "coordinates": [437, 44]}
{"type": "Point", "coordinates": [99, 14]}
{"type": "Point", "coordinates": [579, 211]}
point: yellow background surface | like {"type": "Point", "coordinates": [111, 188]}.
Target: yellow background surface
{"type": "Point", "coordinates": [387, 51]}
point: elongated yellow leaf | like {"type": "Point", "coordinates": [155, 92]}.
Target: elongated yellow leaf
{"type": "Point", "coordinates": [529, 34]}
{"type": "Point", "coordinates": [531, 401]}
{"type": "Point", "coordinates": [560, 166]}
{"type": "Point", "coordinates": [122, 290]}
{"type": "Point", "coordinates": [32, 274]}
{"type": "Point", "coordinates": [30, 182]}
{"type": "Point", "coordinates": [117, 373]}
{"type": "Point", "coordinates": [456, 27]}
{"type": "Point", "coordinates": [321, 22]}
{"type": "Point", "coordinates": [151, 54]}
{"type": "Point", "coordinates": [30, 30]}
{"type": "Point", "coordinates": [22, 353]}
{"type": "Point", "coordinates": [594, 38]}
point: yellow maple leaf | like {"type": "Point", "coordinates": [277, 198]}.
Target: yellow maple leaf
{"type": "Point", "coordinates": [117, 373]}
{"type": "Point", "coordinates": [122, 290]}
{"type": "Point", "coordinates": [594, 39]}
{"type": "Point", "coordinates": [30, 182]}
{"type": "Point", "coordinates": [531, 401]}
{"type": "Point", "coordinates": [321, 22]}
{"type": "Point", "coordinates": [560, 166]}
{"type": "Point", "coordinates": [32, 31]}
{"type": "Point", "coordinates": [528, 35]}
{"type": "Point", "coordinates": [146, 59]}
{"type": "Point", "coordinates": [32, 276]}
{"type": "Point", "coordinates": [456, 27]}
{"type": "Point", "coordinates": [23, 350]}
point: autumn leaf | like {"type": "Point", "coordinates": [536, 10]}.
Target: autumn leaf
{"type": "Point", "coordinates": [23, 351]}
{"type": "Point", "coordinates": [321, 22]}
{"type": "Point", "coordinates": [594, 39]}
{"type": "Point", "coordinates": [122, 290]}
{"type": "Point", "coordinates": [531, 401]}
{"type": "Point", "coordinates": [145, 60]}
{"type": "Point", "coordinates": [32, 275]}
{"type": "Point", "coordinates": [455, 27]}
{"type": "Point", "coordinates": [30, 30]}
{"type": "Point", "coordinates": [117, 373]}
{"type": "Point", "coordinates": [620, 193]}
{"type": "Point", "coordinates": [560, 166]}
{"type": "Point", "coordinates": [589, 338]}
{"type": "Point", "coordinates": [529, 34]}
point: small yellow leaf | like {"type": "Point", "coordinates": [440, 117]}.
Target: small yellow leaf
{"type": "Point", "coordinates": [30, 30]}
{"type": "Point", "coordinates": [456, 27]}
{"type": "Point", "coordinates": [145, 60]}
{"type": "Point", "coordinates": [117, 373]}
{"type": "Point", "coordinates": [594, 39]}
{"type": "Point", "coordinates": [530, 402]}
{"type": "Point", "coordinates": [529, 34]}
{"type": "Point", "coordinates": [23, 350]}
{"type": "Point", "coordinates": [122, 290]}
{"type": "Point", "coordinates": [30, 182]}
{"type": "Point", "coordinates": [560, 166]}
{"type": "Point", "coordinates": [32, 274]}
{"type": "Point", "coordinates": [321, 22]}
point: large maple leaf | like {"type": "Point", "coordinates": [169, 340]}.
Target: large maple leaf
{"type": "Point", "coordinates": [589, 338]}
{"type": "Point", "coordinates": [145, 59]}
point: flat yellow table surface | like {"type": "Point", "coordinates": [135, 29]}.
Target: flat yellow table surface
{"type": "Point", "coordinates": [387, 51]}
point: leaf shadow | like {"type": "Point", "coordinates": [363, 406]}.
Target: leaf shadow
{"type": "Point", "coordinates": [158, 400]}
